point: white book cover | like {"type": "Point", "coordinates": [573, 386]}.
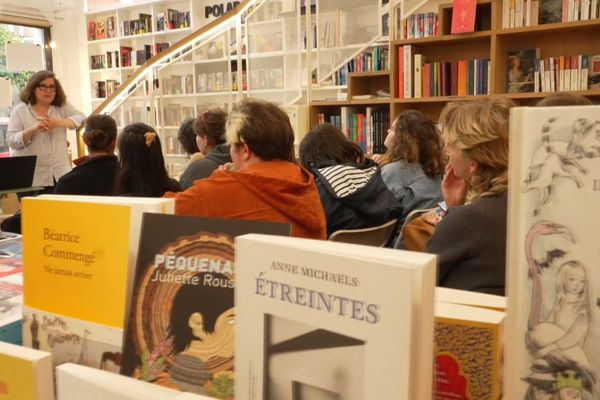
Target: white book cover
{"type": "Point", "coordinates": [468, 298]}
{"type": "Point", "coordinates": [418, 74]}
{"type": "Point", "coordinates": [77, 382]}
{"type": "Point", "coordinates": [25, 374]}
{"type": "Point", "coordinates": [325, 320]}
{"type": "Point", "coordinates": [553, 334]}
{"type": "Point", "coordinates": [408, 71]}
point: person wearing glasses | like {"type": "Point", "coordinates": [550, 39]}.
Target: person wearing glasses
{"type": "Point", "coordinates": [38, 126]}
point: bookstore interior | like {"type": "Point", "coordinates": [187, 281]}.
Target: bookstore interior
{"type": "Point", "coordinates": [450, 289]}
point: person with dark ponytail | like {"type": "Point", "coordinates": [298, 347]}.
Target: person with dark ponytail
{"type": "Point", "coordinates": [95, 173]}
{"type": "Point", "coordinates": [209, 128]}
{"type": "Point", "coordinates": [142, 171]}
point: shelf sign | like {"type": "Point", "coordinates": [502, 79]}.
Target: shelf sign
{"type": "Point", "coordinates": [213, 10]}
{"type": "Point", "coordinates": [463, 16]}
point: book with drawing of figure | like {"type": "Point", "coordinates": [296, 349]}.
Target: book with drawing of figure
{"type": "Point", "coordinates": [553, 278]}
{"type": "Point", "coordinates": [520, 70]}
{"type": "Point", "coordinates": [25, 374]}
{"type": "Point", "coordinates": [332, 321]}
{"type": "Point", "coordinates": [81, 253]}
{"type": "Point", "coordinates": [180, 329]}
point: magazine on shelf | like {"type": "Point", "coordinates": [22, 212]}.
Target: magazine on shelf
{"type": "Point", "coordinates": [553, 277]}
{"type": "Point", "coordinates": [332, 320]}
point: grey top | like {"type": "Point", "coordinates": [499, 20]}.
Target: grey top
{"type": "Point", "coordinates": [471, 246]}
{"type": "Point", "coordinates": [50, 147]}
{"type": "Point", "coordinates": [411, 186]}
{"type": "Point", "coordinates": [203, 168]}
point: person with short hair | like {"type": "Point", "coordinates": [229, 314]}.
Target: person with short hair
{"type": "Point", "coordinates": [187, 138]}
{"type": "Point", "coordinates": [350, 187]}
{"type": "Point", "coordinates": [470, 240]}
{"type": "Point", "coordinates": [142, 171]}
{"type": "Point", "coordinates": [94, 174]}
{"type": "Point", "coordinates": [38, 126]}
{"type": "Point", "coordinates": [209, 130]}
{"type": "Point", "coordinates": [264, 184]}
{"type": "Point", "coordinates": [564, 99]}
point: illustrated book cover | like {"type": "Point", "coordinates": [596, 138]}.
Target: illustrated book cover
{"type": "Point", "coordinates": [81, 253]}
{"type": "Point", "coordinates": [181, 321]}
{"type": "Point", "coordinates": [25, 374]}
{"type": "Point", "coordinates": [468, 343]}
{"type": "Point", "coordinates": [553, 277]}
{"type": "Point", "coordinates": [327, 320]}
{"type": "Point", "coordinates": [520, 70]}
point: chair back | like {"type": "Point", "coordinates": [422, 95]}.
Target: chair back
{"type": "Point", "coordinates": [419, 236]}
{"type": "Point", "coordinates": [375, 236]}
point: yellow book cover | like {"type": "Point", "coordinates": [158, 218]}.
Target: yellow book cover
{"type": "Point", "coordinates": [25, 374]}
{"type": "Point", "coordinates": [468, 353]}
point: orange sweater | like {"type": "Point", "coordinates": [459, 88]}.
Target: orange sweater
{"type": "Point", "coordinates": [274, 191]}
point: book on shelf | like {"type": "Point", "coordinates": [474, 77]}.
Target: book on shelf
{"type": "Point", "coordinates": [91, 31]}
{"type": "Point", "coordinates": [78, 284]}
{"type": "Point", "coordinates": [419, 25]}
{"type": "Point", "coordinates": [100, 29]}
{"type": "Point", "coordinates": [552, 277]}
{"type": "Point", "coordinates": [110, 27]}
{"type": "Point", "coordinates": [180, 330]}
{"type": "Point", "coordinates": [594, 72]}
{"type": "Point", "coordinates": [520, 70]}
{"type": "Point", "coordinates": [25, 374]}
{"type": "Point", "coordinates": [550, 11]}
{"type": "Point", "coordinates": [318, 324]}
{"type": "Point", "coordinates": [468, 345]}
{"type": "Point", "coordinates": [76, 382]}
{"type": "Point", "coordinates": [463, 16]}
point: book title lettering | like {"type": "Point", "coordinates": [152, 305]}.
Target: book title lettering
{"type": "Point", "coordinates": [171, 264]}
{"type": "Point", "coordinates": [315, 273]}
{"type": "Point", "coordinates": [51, 252]}
{"type": "Point", "coordinates": [331, 303]}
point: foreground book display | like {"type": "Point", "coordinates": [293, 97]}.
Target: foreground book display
{"type": "Point", "coordinates": [330, 320]}
{"type": "Point", "coordinates": [553, 276]}
{"type": "Point", "coordinates": [181, 323]}
{"type": "Point", "coordinates": [25, 374]}
{"type": "Point", "coordinates": [77, 382]}
{"type": "Point", "coordinates": [80, 253]}
{"type": "Point", "coordinates": [468, 352]}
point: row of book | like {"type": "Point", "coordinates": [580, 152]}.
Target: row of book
{"type": "Point", "coordinates": [174, 114]}
{"type": "Point", "coordinates": [102, 61]}
{"type": "Point", "coordinates": [172, 19]}
{"type": "Point", "coordinates": [265, 42]}
{"type": "Point", "coordinates": [518, 13]}
{"type": "Point", "coordinates": [106, 88]}
{"type": "Point", "coordinates": [367, 129]}
{"type": "Point", "coordinates": [138, 26]}
{"type": "Point", "coordinates": [419, 78]}
{"type": "Point", "coordinates": [567, 73]}
{"type": "Point", "coordinates": [271, 78]}
{"type": "Point", "coordinates": [101, 28]}
{"type": "Point", "coordinates": [419, 26]}
{"type": "Point", "coordinates": [177, 84]}
{"type": "Point", "coordinates": [375, 59]}
{"type": "Point", "coordinates": [129, 57]}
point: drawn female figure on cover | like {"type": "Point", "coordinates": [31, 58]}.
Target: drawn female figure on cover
{"type": "Point", "coordinates": [202, 332]}
{"type": "Point", "coordinates": [551, 161]}
{"type": "Point", "coordinates": [556, 342]}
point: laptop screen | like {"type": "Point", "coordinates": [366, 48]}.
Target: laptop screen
{"type": "Point", "coordinates": [16, 172]}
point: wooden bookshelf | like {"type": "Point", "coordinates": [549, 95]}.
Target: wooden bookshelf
{"type": "Point", "coordinates": [491, 42]}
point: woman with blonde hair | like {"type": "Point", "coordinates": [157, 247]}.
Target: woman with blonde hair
{"type": "Point", "coordinates": [471, 239]}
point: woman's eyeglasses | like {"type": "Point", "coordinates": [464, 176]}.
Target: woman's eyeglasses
{"type": "Point", "coordinates": [45, 88]}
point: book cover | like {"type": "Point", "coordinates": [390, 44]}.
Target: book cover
{"type": "Point", "coordinates": [110, 27]}
{"type": "Point", "coordinates": [100, 29]}
{"type": "Point", "coordinates": [76, 382]}
{"type": "Point", "coordinates": [325, 320]}
{"type": "Point", "coordinates": [25, 374]}
{"type": "Point", "coordinates": [81, 253]}
{"type": "Point", "coordinates": [520, 70]}
{"type": "Point", "coordinates": [180, 329]}
{"type": "Point", "coordinates": [91, 32]}
{"type": "Point", "coordinates": [550, 11]}
{"type": "Point", "coordinates": [594, 72]}
{"type": "Point", "coordinates": [468, 352]}
{"type": "Point", "coordinates": [552, 279]}
{"type": "Point", "coordinates": [463, 16]}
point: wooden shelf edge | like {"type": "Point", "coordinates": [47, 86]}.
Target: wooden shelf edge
{"type": "Point", "coordinates": [367, 74]}
{"type": "Point", "coordinates": [462, 37]}
{"type": "Point", "coordinates": [557, 27]}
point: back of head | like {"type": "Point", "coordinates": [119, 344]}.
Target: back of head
{"type": "Point", "coordinates": [325, 142]}
{"type": "Point", "coordinates": [211, 124]}
{"type": "Point", "coordinates": [564, 99]}
{"type": "Point", "coordinates": [417, 140]}
{"type": "Point", "coordinates": [100, 133]}
{"type": "Point", "coordinates": [480, 129]}
{"type": "Point", "coordinates": [142, 165]}
{"type": "Point", "coordinates": [187, 137]}
{"type": "Point", "coordinates": [264, 127]}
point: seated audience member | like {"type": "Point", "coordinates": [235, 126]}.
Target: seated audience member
{"type": "Point", "coordinates": [142, 171]}
{"type": "Point", "coordinates": [564, 99]}
{"type": "Point", "coordinates": [187, 139]}
{"type": "Point", "coordinates": [413, 166]}
{"type": "Point", "coordinates": [95, 173]}
{"type": "Point", "coordinates": [209, 129]}
{"type": "Point", "coordinates": [265, 184]}
{"type": "Point", "coordinates": [470, 240]}
{"type": "Point", "coordinates": [350, 187]}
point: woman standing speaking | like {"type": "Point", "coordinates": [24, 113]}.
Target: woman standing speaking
{"type": "Point", "coordinates": [38, 126]}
